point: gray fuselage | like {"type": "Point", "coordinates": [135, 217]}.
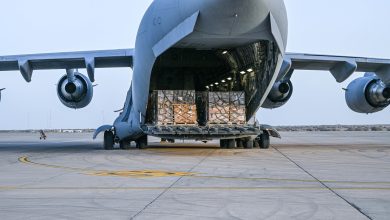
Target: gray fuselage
{"type": "Point", "coordinates": [229, 36]}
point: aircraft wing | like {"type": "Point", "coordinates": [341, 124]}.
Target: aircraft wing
{"type": "Point", "coordinates": [341, 67]}
{"type": "Point", "coordinates": [90, 60]}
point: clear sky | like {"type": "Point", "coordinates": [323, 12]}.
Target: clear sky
{"type": "Point", "coordinates": [348, 27]}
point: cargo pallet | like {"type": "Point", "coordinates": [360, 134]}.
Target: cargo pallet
{"type": "Point", "coordinates": [187, 114]}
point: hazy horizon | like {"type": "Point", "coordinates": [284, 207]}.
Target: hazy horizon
{"type": "Point", "coordinates": [354, 28]}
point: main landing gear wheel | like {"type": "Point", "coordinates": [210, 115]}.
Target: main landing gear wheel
{"type": "Point", "coordinates": [227, 143]}
{"type": "Point", "coordinates": [125, 145]}
{"type": "Point", "coordinates": [239, 143]}
{"type": "Point", "coordinates": [231, 143]}
{"type": "Point", "coordinates": [248, 143]}
{"type": "Point", "coordinates": [223, 144]}
{"type": "Point", "coordinates": [264, 141]}
{"type": "Point", "coordinates": [142, 142]}
{"type": "Point", "coordinates": [108, 140]}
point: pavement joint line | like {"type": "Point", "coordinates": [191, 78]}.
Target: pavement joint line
{"type": "Point", "coordinates": [171, 186]}
{"type": "Point", "coordinates": [323, 184]}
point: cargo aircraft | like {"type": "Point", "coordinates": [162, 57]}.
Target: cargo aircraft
{"type": "Point", "coordinates": [213, 51]}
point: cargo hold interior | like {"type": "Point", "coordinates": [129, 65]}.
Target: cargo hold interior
{"type": "Point", "coordinates": [216, 86]}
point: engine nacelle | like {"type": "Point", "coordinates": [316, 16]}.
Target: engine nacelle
{"type": "Point", "coordinates": [76, 93]}
{"type": "Point", "coordinates": [279, 95]}
{"type": "Point", "coordinates": [367, 95]}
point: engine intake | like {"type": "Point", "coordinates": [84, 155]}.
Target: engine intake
{"type": "Point", "coordinates": [367, 95]}
{"type": "Point", "coordinates": [279, 95]}
{"type": "Point", "coordinates": [75, 91]}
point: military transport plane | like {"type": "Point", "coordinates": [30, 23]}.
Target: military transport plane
{"type": "Point", "coordinates": [210, 59]}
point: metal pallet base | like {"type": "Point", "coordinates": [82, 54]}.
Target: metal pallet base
{"type": "Point", "coordinates": [202, 132]}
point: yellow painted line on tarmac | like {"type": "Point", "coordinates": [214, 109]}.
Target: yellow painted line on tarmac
{"type": "Point", "coordinates": [118, 173]}
{"type": "Point", "coordinates": [9, 188]}
{"type": "Point", "coordinates": [159, 173]}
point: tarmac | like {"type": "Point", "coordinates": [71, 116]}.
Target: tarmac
{"type": "Point", "coordinates": [305, 175]}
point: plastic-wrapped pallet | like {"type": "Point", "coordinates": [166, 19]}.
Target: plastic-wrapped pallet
{"type": "Point", "coordinates": [176, 107]}
{"type": "Point", "coordinates": [165, 107]}
{"type": "Point", "coordinates": [227, 108]}
{"type": "Point", "coordinates": [219, 107]}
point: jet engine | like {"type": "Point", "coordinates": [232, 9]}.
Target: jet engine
{"type": "Point", "coordinates": [75, 90]}
{"type": "Point", "coordinates": [367, 94]}
{"type": "Point", "coordinates": [279, 95]}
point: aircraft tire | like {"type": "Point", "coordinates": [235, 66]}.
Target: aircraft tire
{"type": "Point", "coordinates": [248, 143]}
{"type": "Point", "coordinates": [125, 145]}
{"type": "Point", "coordinates": [239, 143]}
{"type": "Point", "coordinates": [264, 141]}
{"type": "Point", "coordinates": [142, 142]}
{"type": "Point", "coordinates": [256, 144]}
{"type": "Point", "coordinates": [223, 144]}
{"type": "Point", "coordinates": [231, 143]}
{"type": "Point", "coordinates": [108, 140]}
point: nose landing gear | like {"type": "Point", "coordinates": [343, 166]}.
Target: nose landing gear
{"type": "Point", "coordinates": [108, 140]}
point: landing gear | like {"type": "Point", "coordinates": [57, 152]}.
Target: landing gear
{"type": "Point", "coordinates": [125, 144]}
{"type": "Point", "coordinates": [264, 141]}
{"type": "Point", "coordinates": [222, 144]}
{"type": "Point", "coordinates": [231, 143]}
{"type": "Point", "coordinates": [227, 143]}
{"type": "Point", "coordinates": [108, 140]}
{"type": "Point", "coordinates": [248, 143]}
{"type": "Point", "coordinates": [239, 143]}
{"type": "Point", "coordinates": [142, 142]}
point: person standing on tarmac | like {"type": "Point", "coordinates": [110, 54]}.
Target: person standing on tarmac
{"type": "Point", "coordinates": [43, 135]}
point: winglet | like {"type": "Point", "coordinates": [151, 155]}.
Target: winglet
{"type": "Point", "coordinates": [25, 69]}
